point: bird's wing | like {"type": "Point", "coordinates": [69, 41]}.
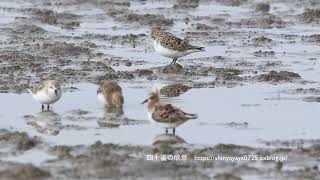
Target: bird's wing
{"type": "Point", "coordinates": [168, 114]}
{"type": "Point", "coordinates": [171, 41]}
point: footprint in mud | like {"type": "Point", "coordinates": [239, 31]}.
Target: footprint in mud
{"type": "Point", "coordinates": [46, 122]}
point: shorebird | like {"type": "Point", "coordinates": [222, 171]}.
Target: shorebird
{"type": "Point", "coordinates": [110, 94]}
{"type": "Point", "coordinates": [46, 92]}
{"type": "Point", "coordinates": [169, 45]}
{"type": "Point", "coordinates": [166, 116]}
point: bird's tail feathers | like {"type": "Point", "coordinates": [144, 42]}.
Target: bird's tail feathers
{"type": "Point", "coordinates": [191, 116]}
{"type": "Point", "coordinates": [29, 90]}
{"type": "Point", "coordinates": [198, 49]}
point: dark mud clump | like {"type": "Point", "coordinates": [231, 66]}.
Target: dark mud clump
{"type": "Point", "coordinates": [313, 38]}
{"type": "Point", "coordinates": [265, 21]}
{"type": "Point", "coordinates": [28, 29]}
{"type": "Point", "coordinates": [186, 4]}
{"type": "Point", "coordinates": [66, 20]}
{"type": "Point", "coordinates": [144, 72]}
{"type": "Point", "coordinates": [174, 90]}
{"type": "Point", "coordinates": [17, 56]}
{"type": "Point", "coordinates": [21, 140]}
{"type": "Point", "coordinates": [226, 74]}
{"type": "Point", "coordinates": [146, 19]}
{"type": "Point", "coordinates": [102, 161]}
{"type": "Point", "coordinates": [232, 2]}
{"type": "Point", "coordinates": [261, 40]}
{"type": "Point", "coordinates": [172, 69]}
{"type": "Point", "coordinates": [65, 49]}
{"type": "Point", "coordinates": [115, 76]}
{"type": "Point", "coordinates": [96, 65]}
{"type": "Point", "coordinates": [226, 176]}
{"type": "Point", "coordinates": [278, 76]}
{"type": "Point", "coordinates": [312, 99]}
{"type": "Point", "coordinates": [45, 16]}
{"type": "Point", "coordinates": [96, 161]}
{"type": "Point", "coordinates": [61, 151]}
{"type": "Point", "coordinates": [314, 91]}
{"type": "Point", "coordinates": [235, 124]}
{"type": "Point", "coordinates": [204, 27]}
{"type": "Point", "coordinates": [22, 171]}
{"type": "Point", "coordinates": [261, 53]}
{"type": "Point", "coordinates": [131, 39]}
{"type": "Point", "coordinates": [311, 15]}
{"type": "Point", "coordinates": [263, 7]}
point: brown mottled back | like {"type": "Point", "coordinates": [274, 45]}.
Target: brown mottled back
{"type": "Point", "coordinates": [112, 92]}
{"type": "Point", "coordinates": [169, 114]}
{"type": "Point", "coordinates": [171, 41]}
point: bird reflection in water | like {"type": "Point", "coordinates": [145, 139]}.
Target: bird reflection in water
{"type": "Point", "coordinates": [46, 122]}
{"type": "Point", "coordinates": [112, 117]}
{"type": "Point", "coordinates": [168, 139]}
{"type": "Point", "coordinates": [117, 111]}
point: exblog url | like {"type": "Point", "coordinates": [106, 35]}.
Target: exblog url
{"type": "Point", "coordinates": [176, 157]}
{"type": "Point", "coordinates": [241, 158]}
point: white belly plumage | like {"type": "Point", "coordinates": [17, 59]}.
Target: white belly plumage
{"type": "Point", "coordinates": [45, 98]}
{"type": "Point", "coordinates": [102, 99]}
{"type": "Point", "coordinates": [163, 124]}
{"type": "Point", "coordinates": [168, 52]}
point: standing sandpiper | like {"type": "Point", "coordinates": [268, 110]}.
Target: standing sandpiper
{"type": "Point", "coordinates": [169, 45]}
{"type": "Point", "coordinates": [166, 116]}
{"type": "Point", "coordinates": [110, 94]}
{"type": "Point", "coordinates": [46, 92]}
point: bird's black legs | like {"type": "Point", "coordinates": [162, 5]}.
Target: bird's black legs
{"type": "Point", "coordinates": [174, 61]}
{"type": "Point", "coordinates": [42, 107]}
{"type": "Point", "coordinates": [173, 131]}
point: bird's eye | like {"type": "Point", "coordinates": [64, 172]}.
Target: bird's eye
{"type": "Point", "coordinates": [51, 87]}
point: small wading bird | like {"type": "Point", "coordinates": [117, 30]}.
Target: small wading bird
{"type": "Point", "coordinates": [46, 92]}
{"type": "Point", "coordinates": [169, 45]}
{"type": "Point", "coordinates": [110, 94]}
{"type": "Point", "coordinates": [166, 116]}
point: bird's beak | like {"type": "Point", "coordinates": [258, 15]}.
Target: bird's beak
{"type": "Point", "coordinates": [56, 92]}
{"type": "Point", "coordinates": [144, 101]}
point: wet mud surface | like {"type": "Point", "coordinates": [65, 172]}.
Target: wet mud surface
{"type": "Point", "coordinates": [258, 76]}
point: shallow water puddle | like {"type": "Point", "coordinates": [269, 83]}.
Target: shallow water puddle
{"type": "Point", "coordinates": [80, 119]}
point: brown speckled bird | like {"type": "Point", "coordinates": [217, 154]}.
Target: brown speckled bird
{"type": "Point", "coordinates": [166, 115]}
{"type": "Point", "coordinates": [169, 45]}
{"type": "Point", "coordinates": [110, 93]}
